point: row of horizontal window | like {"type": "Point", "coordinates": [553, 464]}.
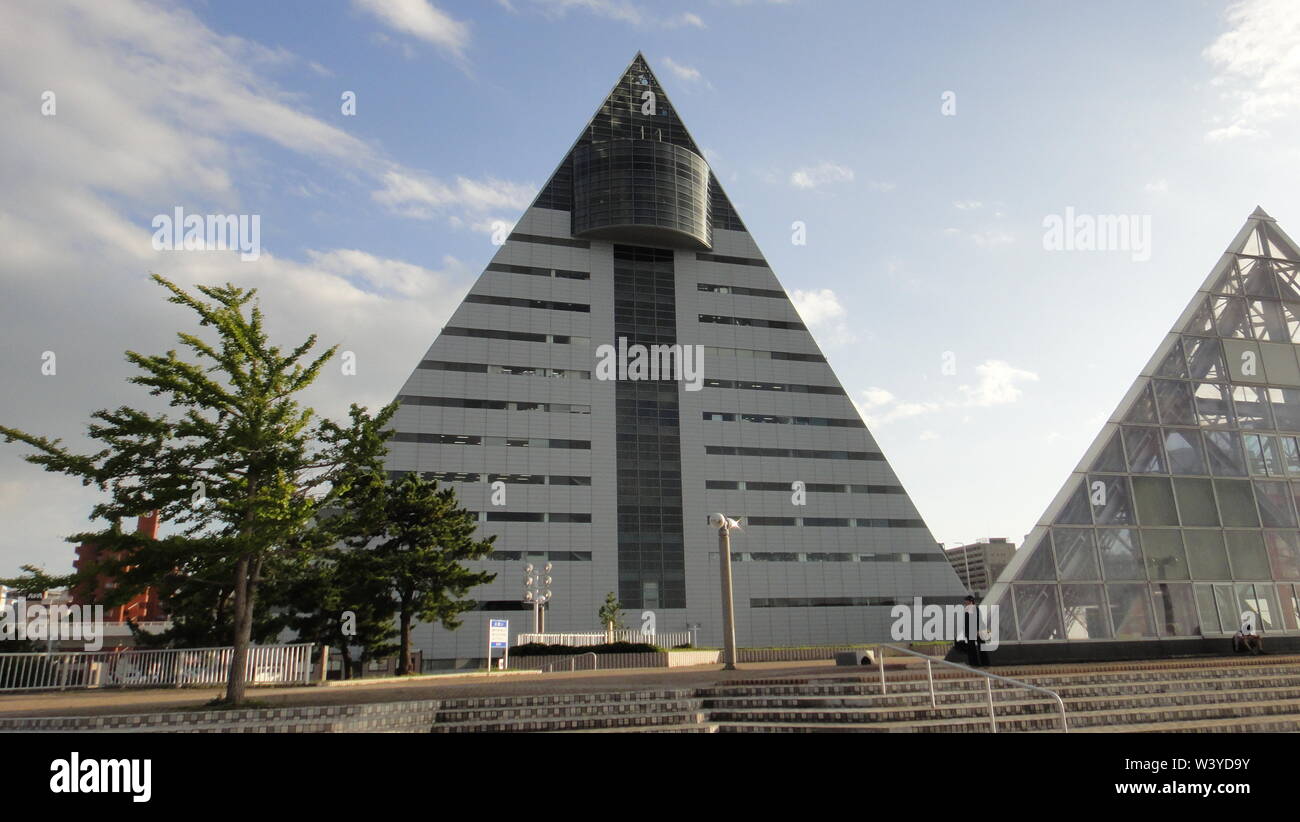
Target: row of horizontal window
{"type": "Point", "coordinates": [563, 273]}
{"type": "Point", "coordinates": [741, 290]}
{"type": "Point", "coordinates": [800, 453]}
{"type": "Point", "coordinates": [475, 439]}
{"type": "Point", "coordinates": [1192, 452]}
{"type": "Point", "coordinates": [810, 487]}
{"type": "Point", "coordinates": [525, 302]}
{"type": "Point", "coordinates": [510, 370]}
{"type": "Point", "coordinates": [777, 419]}
{"type": "Point", "coordinates": [1079, 554]}
{"type": "Point", "coordinates": [516, 336]}
{"type": "Point", "coordinates": [495, 405]}
{"type": "Point", "coordinates": [752, 322]}
{"type": "Point", "coordinates": [1186, 501]}
{"type": "Point", "coordinates": [788, 387]}
{"type": "Point", "coordinates": [534, 516]}
{"type": "Point", "coordinates": [843, 602]}
{"type": "Point", "coordinates": [539, 556]}
{"type": "Point", "coordinates": [828, 556]}
{"type": "Point", "coordinates": [1258, 319]}
{"type": "Point", "coordinates": [512, 479]}
{"type": "Point", "coordinates": [751, 353]}
{"type": "Point", "coordinates": [1216, 405]}
{"type": "Point", "coordinates": [833, 522]}
{"type": "Point", "coordinates": [1134, 610]}
{"type": "Point", "coordinates": [537, 238]}
{"type": "Point", "coordinates": [723, 258]}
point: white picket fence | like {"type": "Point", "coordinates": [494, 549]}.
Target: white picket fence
{"type": "Point", "coordinates": [670, 639]}
{"type": "Point", "coordinates": [176, 668]}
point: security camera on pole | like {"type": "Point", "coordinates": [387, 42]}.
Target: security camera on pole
{"type": "Point", "coordinates": [537, 590]}
{"type": "Point", "coordinates": [725, 525]}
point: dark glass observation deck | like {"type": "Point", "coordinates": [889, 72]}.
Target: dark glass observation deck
{"type": "Point", "coordinates": [641, 191]}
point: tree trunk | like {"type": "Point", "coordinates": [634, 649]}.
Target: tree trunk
{"type": "Point", "coordinates": [249, 572]}
{"type": "Point", "coordinates": [239, 655]}
{"type": "Point", "coordinates": [347, 661]}
{"type": "Point", "coordinates": [404, 651]}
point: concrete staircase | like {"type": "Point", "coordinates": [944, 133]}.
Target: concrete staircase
{"type": "Point", "coordinates": [1220, 695]}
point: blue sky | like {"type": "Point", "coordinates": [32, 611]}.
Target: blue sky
{"type": "Point", "coordinates": [925, 231]}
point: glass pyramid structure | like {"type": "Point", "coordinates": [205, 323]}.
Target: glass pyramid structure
{"type": "Point", "coordinates": [1181, 517]}
{"type": "Point", "coordinates": [632, 242]}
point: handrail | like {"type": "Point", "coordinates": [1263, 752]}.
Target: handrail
{"type": "Point", "coordinates": [988, 682]}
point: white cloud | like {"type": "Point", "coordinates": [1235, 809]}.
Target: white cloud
{"type": "Point", "coordinates": [821, 311]}
{"type": "Point", "coordinates": [968, 205]}
{"type": "Point", "coordinates": [687, 73]}
{"type": "Point", "coordinates": [997, 384]}
{"type": "Point", "coordinates": [1258, 63]}
{"type": "Point", "coordinates": [820, 175]}
{"type": "Point", "coordinates": [1156, 187]}
{"type": "Point", "coordinates": [412, 195]}
{"type": "Point", "coordinates": [880, 407]}
{"type": "Point", "coordinates": [421, 19]}
{"type": "Point", "coordinates": [621, 11]}
{"type": "Point", "coordinates": [983, 239]}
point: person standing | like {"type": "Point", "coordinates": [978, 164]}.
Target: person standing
{"type": "Point", "coordinates": [976, 656]}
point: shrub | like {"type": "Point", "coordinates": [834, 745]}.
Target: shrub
{"type": "Point", "coordinates": [537, 649]}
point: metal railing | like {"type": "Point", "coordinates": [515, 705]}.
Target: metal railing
{"type": "Point", "coordinates": [988, 682]}
{"type": "Point", "coordinates": [176, 668]}
{"type": "Point", "coordinates": [669, 639]}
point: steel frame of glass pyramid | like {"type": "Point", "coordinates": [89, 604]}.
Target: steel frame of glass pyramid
{"type": "Point", "coordinates": [633, 242]}
{"type": "Point", "coordinates": [1180, 521]}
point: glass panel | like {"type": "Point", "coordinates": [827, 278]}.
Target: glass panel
{"type": "Point", "coordinates": [1224, 451]}
{"type": "Point", "coordinates": [1260, 598]}
{"type": "Point", "coordinates": [1038, 565]}
{"type": "Point", "coordinates": [1246, 551]}
{"type": "Point", "coordinates": [1174, 400]}
{"type": "Point", "coordinates": [1175, 363]}
{"type": "Point", "coordinates": [1291, 316]}
{"type": "Point", "coordinates": [1155, 501]}
{"type": "Point", "coordinates": [1144, 453]}
{"type": "Point", "coordinates": [1202, 322]}
{"type": "Point", "coordinates": [1175, 609]}
{"type": "Point", "coordinates": [1130, 610]}
{"type": "Point", "coordinates": [1206, 610]}
{"type": "Point", "coordinates": [1002, 617]}
{"type": "Point", "coordinates": [1251, 407]}
{"type": "Point", "coordinates": [1082, 610]}
{"type": "Point", "coordinates": [1290, 596]}
{"type": "Point", "coordinates": [1164, 554]}
{"type": "Point", "coordinates": [1286, 408]}
{"type": "Point", "coordinates": [1229, 612]}
{"type": "Point", "coordinates": [1185, 451]}
{"type": "Point", "coordinates": [1257, 279]}
{"type": "Point", "coordinates": [1111, 457]}
{"type": "Point", "coordinates": [1037, 612]}
{"type": "Point", "coordinates": [1266, 318]}
{"type": "Point", "coordinates": [1206, 555]}
{"type": "Point", "coordinates": [1213, 407]}
{"type": "Point", "coordinates": [1111, 501]}
{"type": "Point", "coordinates": [1196, 502]}
{"type": "Point", "coordinates": [1227, 282]}
{"type": "Point", "coordinates": [1274, 500]}
{"type": "Point", "coordinates": [1290, 455]}
{"type": "Point", "coordinates": [1283, 553]}
{"type": "Point", "coordinates": [1236, 502]}
{"type": "Point", "coordinates": [1076, 510]}
{"type": "Point", "coordinates": [1230, 317]}
{"type": "Point", "coordinates": [1144, 407]}
{"type": "Point", "coordinates": [1255, 454]}
{"type": "Point", "coordinates": [1076, 553]}
{"type": "Point", "coordinates": [1204, 358]}
{"type": "Point", "coordinates": [1121, 554]}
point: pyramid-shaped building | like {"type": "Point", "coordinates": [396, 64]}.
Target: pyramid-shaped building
{"type": "Point", "coordinates": [1181, 517]}
{"type": "Point", "coordinates": [610, 475]}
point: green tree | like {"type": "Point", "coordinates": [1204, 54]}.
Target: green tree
{"type": "Point", "coordinates": [611, 615]}
{"type": "Point", "coordinates": [341, 600]}
{"type": "Point", "coordinates": [243, 467]}
{"type": "Point", "coordinates": [415, 536]}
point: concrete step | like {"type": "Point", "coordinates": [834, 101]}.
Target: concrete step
{"type": "Point", "coordinates": [563, 711]}
{"type": "Point", "coordinates": [624, 721]}
{"type": "Point", "coordinates": [602, 697]}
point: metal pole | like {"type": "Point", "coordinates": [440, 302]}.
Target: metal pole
{"type": "Point", "coordinates": [880, 654]}
{"type": "Point", "coordinates": [728, 609]}
{"type": "Point", "coordinates": [993, 720]}
{"type": "Point", "coordinates": [929, 673]}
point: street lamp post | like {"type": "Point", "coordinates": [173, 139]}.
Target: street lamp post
{"type": "Point", "coordinates": [537, 590]}
{"type": "Point", "coordinates": [724, 526]}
